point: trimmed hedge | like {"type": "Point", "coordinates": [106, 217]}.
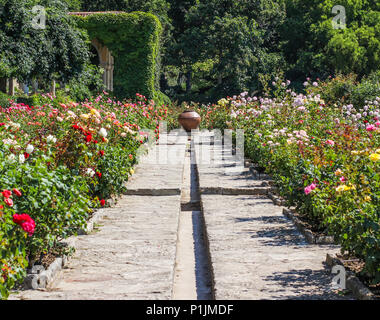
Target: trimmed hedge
{"type": "Point", "coordinates": [134, 40]}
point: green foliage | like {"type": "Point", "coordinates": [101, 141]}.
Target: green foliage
{"type": "Point", "coordinates": [58, 51]}
{"type": "Point", "coordinates": [88, 82]}
{"type": "Point", "coordinates": [239, 37]}
{"type": "Point", "coordinates": [133, 40]}
{"type": "Point", "coordinates": [347, 90]}
{"type": "Point", "coordinates": [4, 99]}
{"type": "Point", "coordinates": [312, 46]}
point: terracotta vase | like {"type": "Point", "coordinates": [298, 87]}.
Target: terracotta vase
{"type": "Point", "coordinates": [189, 119]}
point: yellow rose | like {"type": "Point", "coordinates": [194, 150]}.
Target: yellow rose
{"type": "Point", "coordinates": [367, 198]}
{"type": "Point", "coordinates": [95, 112]}
{"type": "Point", "coordinates": [354, 152]}
{"type": "Point", "coordinates": [345, 188]}
{"type": "Point", "coordinates": [374, 157]}
{"type": "Point", "coordinates": [341, 188]}
{"type": "Point", "coordinates": [85, 116]}
{"type": "Point", "coordinates": [131, 171]}
{"type": "Point", "coordinates": [338, 172]}
{"type": "Point", "coordinates": [377, 151]}
{"type": "Point", "coordinates": [223, 102]}
{"type": "Point", "coordinates": [105, 140]}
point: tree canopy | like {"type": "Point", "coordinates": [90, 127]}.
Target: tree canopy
{"type": "Point", "coordinates": [56, 51]}
{"type": "Point", "coordinates": [209, 48]}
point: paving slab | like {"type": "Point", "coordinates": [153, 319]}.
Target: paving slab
{"type": "Point", "coordinates": [257, 253]}
{"type": "Point", "coordinates": [130, 256]}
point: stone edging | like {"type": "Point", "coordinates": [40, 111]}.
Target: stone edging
{"type": "Point", "coordinates": [39, 278]}
{"type": "Point", "coordinates": [289, 213]}
{"type": "Point", "coordinates": [358, 289]}
{"type": "Point", "coordinates": [307, 232]}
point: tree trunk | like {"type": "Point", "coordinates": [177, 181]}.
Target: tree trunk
{"type": "Point", "coordinates": [219, 79]}
{"type": "Point", "coordinates": [11, 87]}
{"type": "Point", "coordinates": [34, 86]}
{"type": "Point", "coordinates": [53, 87]}
{"type": "Point", "coordinates": [188, 82]}
{"type": "Point", "coordinates": [3, 85]}
{"type": "Point", "coordinates": [179, 79]}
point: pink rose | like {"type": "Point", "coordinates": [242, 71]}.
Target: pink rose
{"type": "Point", "coordinates": [371, 127]}
{"type": "Point", "coordinates": [307, 190]}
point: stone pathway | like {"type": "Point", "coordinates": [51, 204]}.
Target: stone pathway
{"type": "Point", "coordinates": [147, 248]}
{"type": "Point", "coordinates": [255, 251]}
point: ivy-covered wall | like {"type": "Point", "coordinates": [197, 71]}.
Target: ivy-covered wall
{"type": "Point", "coordinates": [134, 41]}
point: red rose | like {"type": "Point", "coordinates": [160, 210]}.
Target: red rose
{"type": "Point", "coordinates": [9, 202]}
{"type": "Point", "coordinates": [88, 138]}
{"type": "Point", "coordinates": [130, 157]}
{"type": "Point", "coordinates": [99, 174]}
{"type": "Point", "coordinates": [26, 155]}
{"type": "Point", "coordinates": [25, 222]}
{"type": "Point", "coordinates": [17, 192]}
{"type": "Point", "coordinates": [6, 193]}
{"type": "Point", "coordinates": [101, 152]}
{"type": "Point", "coordinates": [102, 202]}
{"type": "Point", "coordinates": [95, 141]}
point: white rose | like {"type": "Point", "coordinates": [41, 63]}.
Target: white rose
{"type": "Point", "coordinates": [29, 149]}
{"type": "Point", "coordinates": [21, 158]}
{"type": "Point", "coordinates": [90, 172]}
{"type": "Point", "coordinates": [11, 157]}
{"type": "Point", "coordinates": [103, 132]}
{"type": "Point", "coordinates": [50, 139]}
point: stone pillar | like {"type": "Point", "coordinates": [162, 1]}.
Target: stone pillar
{"type": "Point", "coordinates": [106, 62]}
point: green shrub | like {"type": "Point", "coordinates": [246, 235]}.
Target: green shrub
{"type": "Point", "coordinates": [89, 82]}
{"type": "Point", "coordinates": [4, 99]}
{"type": "Point", "coordinates": [346, 90]}
{"type": "Point", "coordinates": [32, 100]}
{"type": "Point", "coordinates": [368, 89]}
{"type": "Point", "coordinates": [133, 39]}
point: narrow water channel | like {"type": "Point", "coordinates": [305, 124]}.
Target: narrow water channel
{"type": "Point", "coordinates": [192, 275]}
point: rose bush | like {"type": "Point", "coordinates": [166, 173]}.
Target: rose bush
{"type": "Point", "coordinates": [59, 161]}
{"type": "Point", "coordinates": [324, 159]}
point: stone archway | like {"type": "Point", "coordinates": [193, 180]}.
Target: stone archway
{"type": "Point", "coordinates": [106, 62]}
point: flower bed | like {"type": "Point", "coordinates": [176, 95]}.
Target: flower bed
{"type": "Point", "coordinates": [57, 163]}
{"type": "Point", "coordinates": [325, 160]}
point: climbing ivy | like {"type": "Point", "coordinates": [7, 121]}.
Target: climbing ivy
{"type": "Point", "coordinates": [134, 41]}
